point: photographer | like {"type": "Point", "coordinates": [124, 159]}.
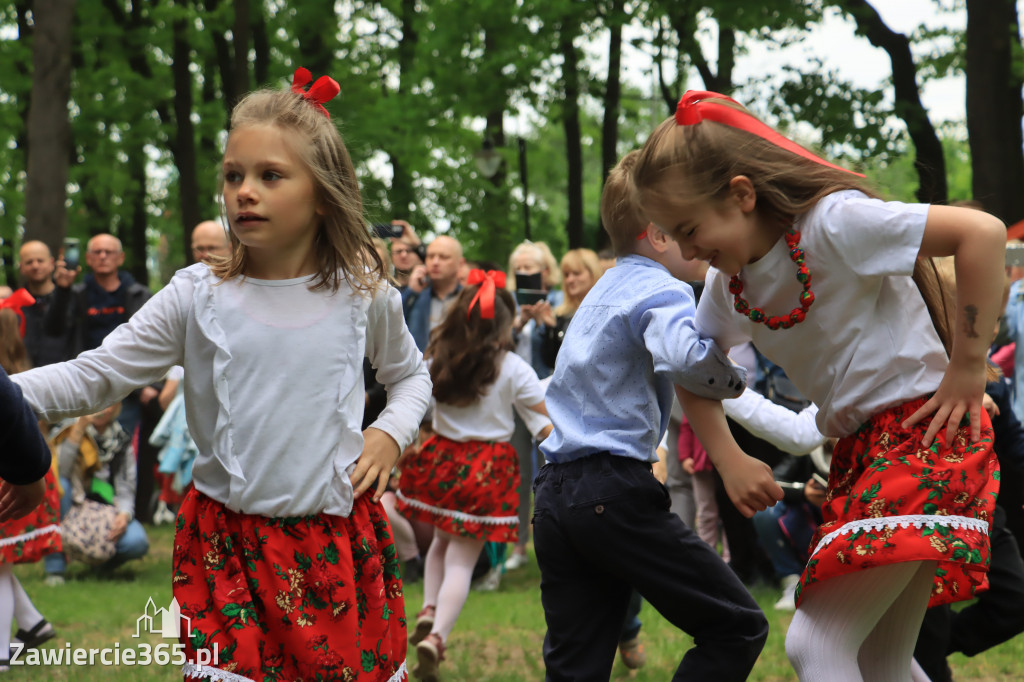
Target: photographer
{"type": "Point", "coordinates": [406, 249]}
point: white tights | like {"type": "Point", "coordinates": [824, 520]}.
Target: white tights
{"type": "Point", "coordinates": [447, 574]}
{"type": "Point", "coordinates": [14, 604]}
{"type": "Point", "coordinates": [862, 626]}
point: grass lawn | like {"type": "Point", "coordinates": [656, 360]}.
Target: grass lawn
{"type": "Point", "coordinates": [498, 636]}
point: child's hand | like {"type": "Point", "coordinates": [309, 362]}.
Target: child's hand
{"type": "Point", "coordinates": [750, 484]}
{"type": "Point", "coordinates": [17, 501]}
{"type": "Point", "coordinates": [688, 467]}
{"type": "Point", "coordinates": [380, 452]}
{"type": "Point", "coordinates": [959, 393]}
{"type": "Point", "coordinates": [990, 406]}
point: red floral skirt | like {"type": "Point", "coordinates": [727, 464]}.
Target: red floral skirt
{"type": "Point", "coordinates": [469, 489]}
{"type": "Point", "coordinates": [890, 500]}
{"type": "Point", "coordinates": [289, 598]}
{"type": "Point", "coordinates": [30, 538]}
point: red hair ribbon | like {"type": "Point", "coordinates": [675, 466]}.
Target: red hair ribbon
{"type": "Point", "coordinates": [485, 295]}
{"type": "Point", "coordinates": [16, 301]}
{"type": "Point", "coordinates": [324, 90]}
{"type": "Point", "coordinates": [698, 105]}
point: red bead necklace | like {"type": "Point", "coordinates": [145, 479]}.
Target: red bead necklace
{"type": "Point", "coordinates": [803, 275]}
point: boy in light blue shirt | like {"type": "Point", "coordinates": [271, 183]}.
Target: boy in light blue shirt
{"type": "Point", "coordinates": [602, 523]}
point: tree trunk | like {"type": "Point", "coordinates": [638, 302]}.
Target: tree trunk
{"type": "Point", "coordinates": [402, 194]}
{"type": "Point", "coordinates": [612, 98]}
{"type": "Point", "coordinates": [930, 161]}
{"type": "Point", "coordinates": [573, 145]}
{"type": "Point", "coordinates": [135, 239]}
{"type": "Point", "coordinates": [185, 142]}
{"type": "Point", "coordinates": [261, 48]}
{"type": "Point", "coordinates": [994, 107]}
{"type": "Point", "coordinates": [241, 32]}
{"type": "Point", "coordinates": [49, 130]}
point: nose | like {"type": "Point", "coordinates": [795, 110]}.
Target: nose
{"type": "Point", "coordinates": [246, 191]}
{"type": "Point", "coordinates": [689, 252]}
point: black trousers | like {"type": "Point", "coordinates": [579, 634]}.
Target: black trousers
{"type": "Point", "coordinates": [995, 617]}
{"type": "Point", "coordinates": [602, 526]}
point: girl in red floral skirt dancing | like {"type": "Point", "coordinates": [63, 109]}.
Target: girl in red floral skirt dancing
{"type": "Point", "coordinates": [465, 479]}
{"type": "Point", "coordinates": [284, 567]}
{"type": "Point", "coordinates": [835, 285]}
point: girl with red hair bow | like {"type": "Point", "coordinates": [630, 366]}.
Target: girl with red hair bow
{"type": "Point", "coordinates": [465, 479]}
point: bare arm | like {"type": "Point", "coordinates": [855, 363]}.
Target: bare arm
{"type": "Point", "coordinates": [977, 241]}
{"type": "Point", "coordinates": [748, 481]}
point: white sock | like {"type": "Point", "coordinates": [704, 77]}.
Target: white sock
{"type": "Point", "coordinates": [459, 560]}
{"type": "Point", "coordinates": [25, 612]}
{"type": "Point", "coordinates": [838, 615]}
{"type": "Point", "coordinates": [6, 610]}
{"type": "Point", "coordinates": [433, 568]}
{"type": "Point", "coordinates": [888, 652]}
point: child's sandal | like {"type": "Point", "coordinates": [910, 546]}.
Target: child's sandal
{"type": "Point", "coordinates": [424, 624]}
{"type": "Point", "coordinates": [429, 654]}
{"type": "Point", "coordinates": [40, 633]}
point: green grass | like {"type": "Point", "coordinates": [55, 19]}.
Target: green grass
{"type": "Point", "coordinates": [498, 636]}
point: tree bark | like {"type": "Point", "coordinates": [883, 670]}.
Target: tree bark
{"type": "Point", "coordinates": [185, 142]}
{"type": "Point", "coordinates": [612, 100]}
{"type": "Point", "coordinates": [573, 145]}
{"type": "Point", "coordinates": [241, 32]}
{"type": "Point", "coordinates": [994, 108]}
{"type": "Point", "coordinates": [930, 161]}
{"type": "Point", "coordinates": [49, 130]}
{"type": "Point", "coordinates": [402, 194]}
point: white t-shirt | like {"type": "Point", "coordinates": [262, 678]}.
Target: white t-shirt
{"type": "Point", "coordinates": [273, 383]}
{"type": "Point", "coordinates": [490, 418]}
{"type": "Point", "coordinates": [868, 342]}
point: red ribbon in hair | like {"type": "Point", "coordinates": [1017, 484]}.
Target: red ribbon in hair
{"type": "Point", "coordinates": [485, 295]}
{"type": "Point", "coordinates": [698, 105]}
{"type": "Point", "coordinates": [324, 90]}
{"type": "Point", "coordinates": [16, 301]}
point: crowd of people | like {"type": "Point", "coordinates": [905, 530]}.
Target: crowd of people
{"type": "Point", "coordinates": [771, 376]}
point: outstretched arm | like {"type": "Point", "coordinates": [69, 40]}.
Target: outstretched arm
{"type": "Point", "coordinates": [977, 241]}
{"type": "Point", "coordinates": [748, 481]}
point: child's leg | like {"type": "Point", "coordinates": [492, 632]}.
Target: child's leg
{"type": "Point", "coordinates": [887, 653]}
{"type": "Point", "coordinates": [708, 522]}
{"type": "Point", "coordinates": [837, 616]}
{"type": "Point", "coordinates": [433, 568]}
{"type": "Point", "coordinates": [6, 610]}
{"type": "Point", "coordinates": [25, 612]}
{"type": "Point", "coordinates": [459, 560]}
{"type": "Point", "coordinates": [405, 536]}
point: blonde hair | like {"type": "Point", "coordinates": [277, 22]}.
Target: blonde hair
{"type": "Point", "coordinates": [13, 355]}
{"type": "Point", "coordinates": [578, 259]}
{"type": "Point", "coordinates": [681, 166]}
{"type": "Point", "coordinates": [544, 258]}
{"type": "Point", "coordinates": [619, 215]}
{"type": "Point", "coordinates": [343, 245]}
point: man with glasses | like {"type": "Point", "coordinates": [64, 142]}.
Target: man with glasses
{"type": "Point", "coordinates": [210, 239]}
{"type": "Point", "coordinates": [406, 254]}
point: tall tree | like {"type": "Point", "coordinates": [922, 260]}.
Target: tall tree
{"type": "Point", "coordinates": [49, 131]}
{"type": "Point", "coordinates": [994, 107]}
{"type": "Point", "coordinates": [615, 17]}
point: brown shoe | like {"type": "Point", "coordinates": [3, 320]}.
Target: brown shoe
{"type": "Point", "coordinates": [424, 624]}
{"type": "Point", "coordinates": [429, 654]}
{"type": "Point", "coordinates": [633, 654]}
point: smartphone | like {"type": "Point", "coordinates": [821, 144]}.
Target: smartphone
{"type": "Point", "coordinates": [528, 289]}
{"type": "Point", "coordinates": [72, 253]}
{"type": "Point", "coordinates": [387, 230]}
{"type": "Point", "coordinates": [1014, 255]}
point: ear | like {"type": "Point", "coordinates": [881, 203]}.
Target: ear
{"type": "Point", "coordinates": [742, 190]}
{"type": "Point", "coordinates": [659, 240]}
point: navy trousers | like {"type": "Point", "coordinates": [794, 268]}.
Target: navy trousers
{"type": "Point", "coordinates": [602, 526]}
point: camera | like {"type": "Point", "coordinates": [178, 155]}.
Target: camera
{"type": "Point", "coordinates": [387, 230]}
{"type": "Point", "coordinates": [72, 253]}
{"type": "Point", "coordinates": [529, 289]}
{"type": "Point", "coordinates": [1014, 255]}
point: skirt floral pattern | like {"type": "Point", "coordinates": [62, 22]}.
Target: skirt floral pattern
{"type": "Point", "coordinates": [290, 598]}
{"type": "Point", "coordinates": [469, 489]}
{"type": "Point", "coordinates": [30, 538]}
{"type": "Point", "coordinates": [890, 500]}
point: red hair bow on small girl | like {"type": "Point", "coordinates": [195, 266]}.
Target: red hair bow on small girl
{"type": "Point", "coordinates": [488, 281]}
{"type": "Point", "coordinates": [16, 301]}
{"type": "Point", "coordinates": [324, 90]}
{"type": "Point", "coordinates": [698, 105]}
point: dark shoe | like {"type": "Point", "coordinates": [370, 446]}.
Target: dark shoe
{"type": "Point", "coordinates": [633, 654]}
{"type": "Point", "coordinates": [41, 632]}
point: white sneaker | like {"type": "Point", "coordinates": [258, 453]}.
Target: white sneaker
{"type": "Point", "coordinates": [490, 580]}
{"type": "Point", "coordinates": [787, 602]}
{"type": "Point", "coordinates": [517, 560]}
{"type": "Point", "coordinates": [163, 514]}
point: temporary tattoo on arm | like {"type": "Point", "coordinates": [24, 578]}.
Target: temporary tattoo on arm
{"type": "Point", "coordinates": [971, 314]}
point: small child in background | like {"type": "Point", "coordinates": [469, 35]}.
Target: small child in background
{"type": "Point", "coordinates": [465, 479]}
{"type": "Point", "coordinates": [28, 530]}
